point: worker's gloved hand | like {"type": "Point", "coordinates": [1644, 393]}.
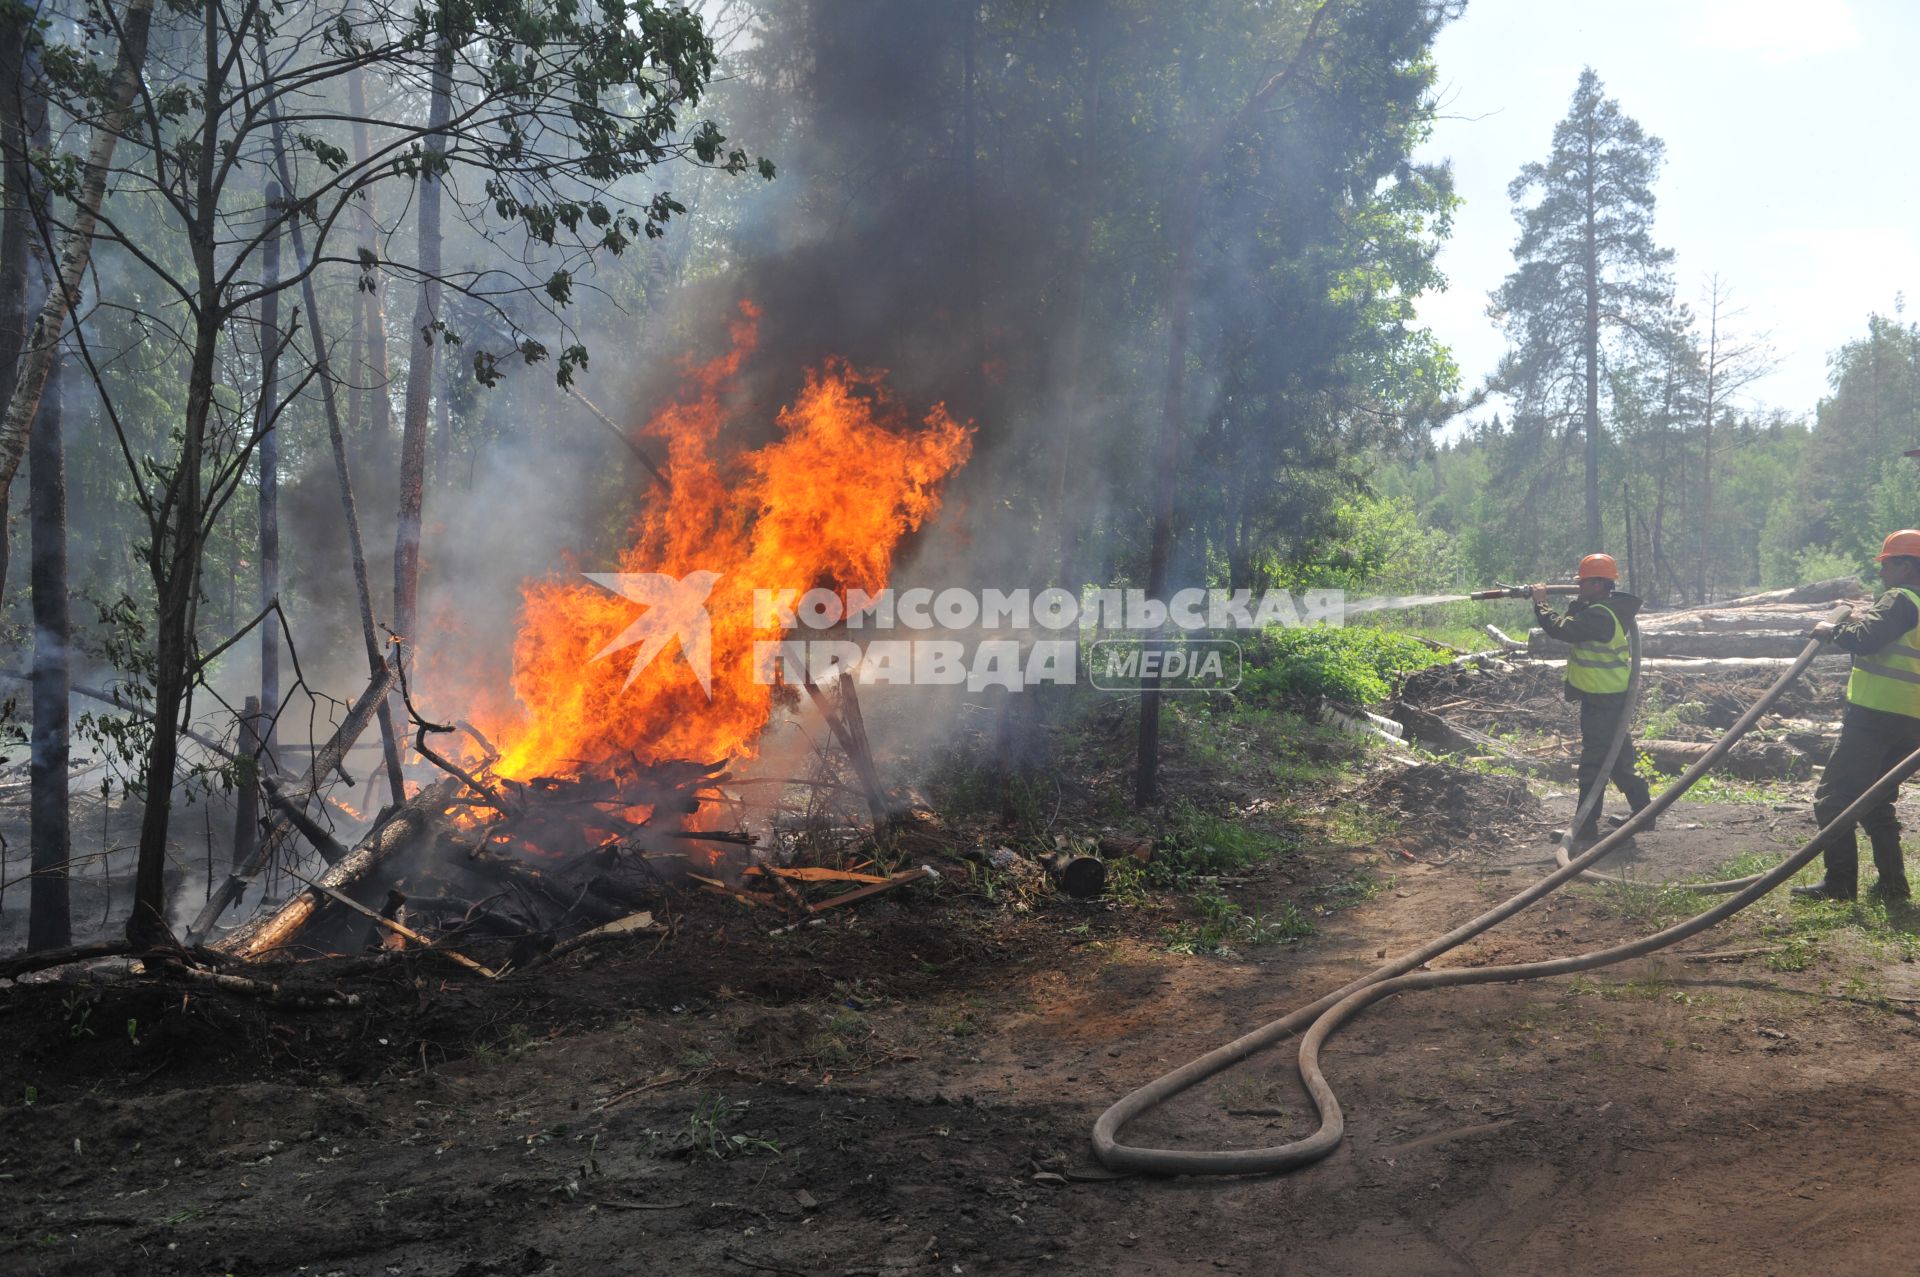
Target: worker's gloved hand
{"type": "Point", "coordinates": [1823, 631]}
{"type": "Point", "coordinates": [1537, 592]}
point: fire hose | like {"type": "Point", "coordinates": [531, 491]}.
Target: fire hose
{"type": "Point", "coordinates": [1322, 1018]}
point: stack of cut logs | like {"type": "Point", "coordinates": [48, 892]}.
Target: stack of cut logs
{"type": "Point", "coordinates": [1732, 641]}
{"type": "Point", "coordinates": [1758, 627]}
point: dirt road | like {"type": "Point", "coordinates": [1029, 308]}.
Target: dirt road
{"type": "Point", "coordinates": [910, 1090]}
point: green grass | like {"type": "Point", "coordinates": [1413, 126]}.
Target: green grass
{"type": "Point", "coordinates": [1714, 789]}
{"type": "Point", "coordinates": [1357, 888]}
{"type": "Point", "coordinates": [1223, 925]}
{"type": "Point", "coordinates": [708, 1133]}
{"type": "Point", "coordinates": [1203, 841]}
{"type": "Point", "coordinates": [1468, 638]}
{"type": "Point", "coordinates": [1648, 906]}
{"type": "Point", "coordinates": [1358, 826]}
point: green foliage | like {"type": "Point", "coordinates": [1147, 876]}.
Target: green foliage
{"type": "Point", "coordinates": [963, 781]}
{"type": "Point", "coordinates": [1658, 720]}
{"type": "Point", "coordinates": [708, 1133]}
{"type": "Point", "coordinates": [1201, 841]}
{"type": "Point", "coordinates": [1354, 663]}
{"type": "Point", "coordinates": [1376, 544]}
{"type": "Point", "coordinates": [1222, 924]}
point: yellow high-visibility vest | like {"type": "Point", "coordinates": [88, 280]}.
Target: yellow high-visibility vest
{"type": "Point", "coordinates": [1605, 666]}
{"type": "Point", "coordinates": [1889, 679]}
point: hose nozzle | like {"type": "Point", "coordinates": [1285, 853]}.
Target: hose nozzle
{"type": "Point", "coordinates": [1520, 591]}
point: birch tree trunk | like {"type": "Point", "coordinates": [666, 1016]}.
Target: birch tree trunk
{"type": "Point", "coordinates": [269, 484]}
{"type": "Point", "coordinates": [417, 425]}
{"type": "Point", "coordinates": [369, 354]}
{"type": "Point", "coordinates": [18, 222]}
{"type": "Point", "coordinates": [75, 249]}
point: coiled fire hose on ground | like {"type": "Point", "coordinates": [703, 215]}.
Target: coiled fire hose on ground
{"type": "Point", "coordinates": [1322, 1018]}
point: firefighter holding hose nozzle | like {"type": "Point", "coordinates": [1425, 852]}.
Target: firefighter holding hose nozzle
{"type": "Point", "coordinates": [1881, 725]}
{"type": "Point", "coordinates": [1597, 624]}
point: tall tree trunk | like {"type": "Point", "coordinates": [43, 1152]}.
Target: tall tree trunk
{"type": "Point", "coordinates": [23, 121]}
{"type": "Point", "coordinates": [1070, 386]}
{"type": "Point", "coordinates": [18, 219]}
{"type": "Point", "coordinates": [1590, 344]}
{"type": "Point", "coordinates": [49, 926]}
{"type": "Point", "coordinates": [75, 249]}
{"type": "Point", "coordinates": [269, 483]}
{"type": "Point", "coordinates": [356, 371]}
{"type": "Point", "coordinates": [443, 425]}
{"type": "Point", "coordinates": [970, 206]}
{"type": "Point", "coordinates": [417, 427]}
{"type": "Point", "coordinates": [1173, 400]}
{"type": "Point", "coordinates": [369, 358]}
{"type": "Point", "coordinates": [174, 560]}
{"type": "Point", "coordinates": [1146, 789]}
{"type": "Point", "coordinates": [177, 532]}
{"type": "Point", "coordinates": [1703, 574]}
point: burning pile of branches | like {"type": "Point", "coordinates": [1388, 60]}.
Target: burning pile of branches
{"type": "Point", "coordinates": [599, 795]}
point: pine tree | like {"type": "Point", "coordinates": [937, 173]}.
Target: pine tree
{"type": "Point", "coordinates": [1586, 271]}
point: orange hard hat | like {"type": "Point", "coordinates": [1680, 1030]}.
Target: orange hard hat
{"type": "Point", "coordinates": [1602, 565]}
{"type": "Point", "coordinates": [1904, 543]}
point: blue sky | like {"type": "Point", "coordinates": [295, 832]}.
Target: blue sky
{"type": "Point", "coordinates": [1792, 168]}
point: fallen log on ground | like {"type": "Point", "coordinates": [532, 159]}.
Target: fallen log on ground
{"type": "Point", "coordinates": [399, 831]}
{"type": "Point", "coordinates": [1832, 590]}
{"type": "Point", "coordinates": [1692, 646]}
{"type": "Point", "coordinates": [1670, 643]}
{"type": "Point", "coordinates": [1504, 639]}
{"type": "Point", "coordinates": [44, 959]}
{"type": "Point", "coordinates": [1438, 733]}
{"type": "Point", "coordinates": [398, 928]}
{"type": "Point", "coordinates": [1749, 760]}
{"type": "Point", "coordinates": [1764, 617]}
{"type": "Point", "coordinates": [1728, 667]}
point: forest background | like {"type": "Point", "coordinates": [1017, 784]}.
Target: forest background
{"type": "Point", "coordinates": [1167, 258]}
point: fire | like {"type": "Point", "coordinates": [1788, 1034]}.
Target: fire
{"type": "Point", "coordinates": [824, 503]}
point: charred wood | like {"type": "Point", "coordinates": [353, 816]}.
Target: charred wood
{"type": "Point", "coordinates": [398, 832]}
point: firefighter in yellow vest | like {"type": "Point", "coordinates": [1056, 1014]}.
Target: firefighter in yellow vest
{"type": "Point", "coordinates": [1597, 624]}
{"type": "Point", "coordinates": [1880, 727]}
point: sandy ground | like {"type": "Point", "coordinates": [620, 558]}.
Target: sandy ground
{"type": "Point", "coordinates": [910, 1091]}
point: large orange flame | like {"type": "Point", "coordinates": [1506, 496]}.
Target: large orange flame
{"type": "Point", "coordinates": [827, 502]}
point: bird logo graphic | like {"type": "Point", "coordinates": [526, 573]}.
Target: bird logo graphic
{"type": "Point", "coordinates": [676, 608]}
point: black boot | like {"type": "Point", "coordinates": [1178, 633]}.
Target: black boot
{"type": "Point", "coordinates": [1892, 866]}
{"type": "Point", "coordinates": [1617, 821]}
{"type": "Point", "coordinates": [1639, 797]}
{"type": "Point", "coordinates": [1842, 881]}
